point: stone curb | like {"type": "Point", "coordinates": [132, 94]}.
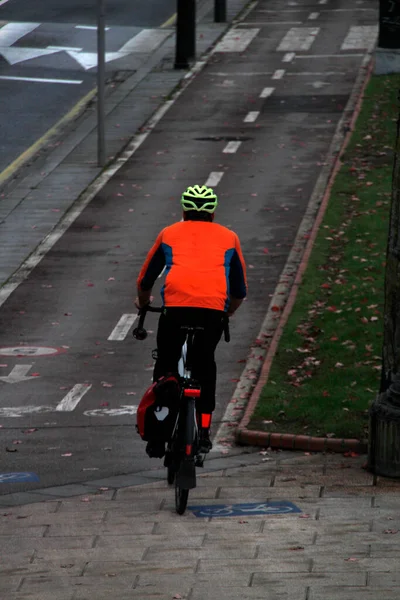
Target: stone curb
{"type": "Point", "coordinates": [288, 441]}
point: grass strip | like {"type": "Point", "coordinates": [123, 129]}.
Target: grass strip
{"type": "Point", "coordinates": [326, 370]}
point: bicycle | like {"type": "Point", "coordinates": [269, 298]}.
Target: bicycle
{"type": "Point", "coordinates": [182, 454]}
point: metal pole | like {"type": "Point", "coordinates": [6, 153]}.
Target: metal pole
{"type": "Point", "coordinates": [219, 11]}
{"type": "Point", "coordinates": [101, 51]}
{"type": "Point", "coordinates": [185, 33]}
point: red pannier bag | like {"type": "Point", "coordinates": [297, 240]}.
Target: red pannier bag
{"type": "Point", "coordinates": [158, 409]}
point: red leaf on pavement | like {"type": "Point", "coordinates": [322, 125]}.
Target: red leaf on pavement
{"type": "Point", "coordinates": [351, 559]}
{"type": "Point", "coordinates": [391, 531]}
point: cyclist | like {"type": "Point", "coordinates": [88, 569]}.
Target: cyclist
{"type": "Point", "coordinates": [205, 283]}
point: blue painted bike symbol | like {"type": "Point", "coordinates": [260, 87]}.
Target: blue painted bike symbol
{"type": "Point", "coordinates": [249, 509]}
{"type": "Point", "coordinates": [18, 477]}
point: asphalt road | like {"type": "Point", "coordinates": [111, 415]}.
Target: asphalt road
{"type": "Point", "coordinates": [285, 114]}
{"type": "Point", "coordinates": [48, 57]}
{"type": "Point", "coordinates": [137, 13]}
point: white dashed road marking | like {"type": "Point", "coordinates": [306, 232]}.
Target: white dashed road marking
{"type": "Point", "coordinates": [74, 396]}
{"type": "Point", "coordinates": [251, 116]}
{"type": "Point", "coordinates": [279, 73]}
{"type": "Point", "coordinates": [231, 147]}
{"type": "Point", "coordinates": [313, 16]}
{"type": "Point", "coordinates": [236, 40]}
{"type": "Point", "coordinates": [298, 38]}
{"type": "Point", "coordinates": [288, 57]}
{"type": "Point", "coordinates": [360, 37]}
{"type": "Point", "coordinates": [267, 92]}
{"type": "Point", "coordinates": [39, 80]}
{"type": "Point", "coordinates": [121, 329]}
{"type": "Point", "coordinates": [214, 178]}
{"type": "Point", "coordinates": [91, 27]}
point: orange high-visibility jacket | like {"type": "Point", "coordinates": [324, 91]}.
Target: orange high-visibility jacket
{"type": "Point", "coordinates": [204, 265]}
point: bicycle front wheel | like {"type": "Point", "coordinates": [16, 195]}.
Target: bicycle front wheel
{"type": "Point", "coordinates": [181, 499]}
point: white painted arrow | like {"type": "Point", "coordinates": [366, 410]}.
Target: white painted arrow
{"type": "Point", "coordinates": [18, 374]}
{"type": "Point", "coordinates": [17, 55]}
{"type": "Point", "coordinates": [88, 60]}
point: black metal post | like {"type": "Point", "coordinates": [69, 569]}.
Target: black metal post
{"type": "Point", "coordinates": [219, 11]}
{"type": "Point", "coordinates": [101, 50]}
{"type": "Point", "coordinates": [185, 33]}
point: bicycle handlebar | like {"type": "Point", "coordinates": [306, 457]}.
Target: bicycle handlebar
{"type": "Point", "coordinates": [140, 332]}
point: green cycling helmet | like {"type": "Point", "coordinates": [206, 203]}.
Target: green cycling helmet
{"type": "Point", "coordinates": [200, 198]}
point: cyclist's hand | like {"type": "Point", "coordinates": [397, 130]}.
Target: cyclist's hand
{"type": "Point", "coordinates": [140, 304]}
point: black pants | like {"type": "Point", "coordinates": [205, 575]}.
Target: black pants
{"type": "Point", "coordinates": [170, 338]}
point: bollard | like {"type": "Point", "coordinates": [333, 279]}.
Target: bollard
{"type": "Point", "coordinates": [219, 11]}
{"type": "Point", "coordinates": [384, 432]}
{"type": "Point", "coordinates": [185, 33]}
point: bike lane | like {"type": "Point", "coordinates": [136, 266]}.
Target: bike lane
{"type": "Point", "coordinates": [257, 125]}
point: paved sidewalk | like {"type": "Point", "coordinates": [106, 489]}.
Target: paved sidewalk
{"type": "Point", "coordinates": [129, 542]}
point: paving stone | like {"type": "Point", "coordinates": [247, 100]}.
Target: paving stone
{"type": "Point", "coordinates": [9, 529]}
{"type": "Point", "coordinates": [335, 562]}
{"type": "Point", "coordinates": [175, 529]}
{"type": "Point", "coordinates": [300, 565]}
{"type": "Point", "coordinates": [148, 541]}
{"type": "Point", "coordinates": [283, 550]}
{"type": "Point", "coordinates": [132, 594]}
{"type": "Point", "coordinates": [355, 593]}
{"type": "Point", "coordinates": [154, 580]}
{"type": "Point", "coordinates": [384, 579]}
{"type": "Point", "coordinates": [95, 516]}
{"type": "Point", "coordinates": [40, 508]}
{"type": "Point", "coordinates": [20, 498]}
{"type": "Point", "coordinates": [65, 530]}
{"type": "Point", "coordinates": [313, 580]}
{"type": "Point", "coordinates": [54, 584]}
{"type": "Point", "coordinates": [49, 568]}
{"type": "Point", "coordinates": [135, 552]}
{"type": "Point", "coordinates": [21, 544]}
{"type": "Point", "coordinates": [248, 593]}
{"type": "Point", "coordinates": [42, 595]}
{"type": "Point", "coordinates": [107, 570]}
{"type": "Point", "coordinates": [9, 583]}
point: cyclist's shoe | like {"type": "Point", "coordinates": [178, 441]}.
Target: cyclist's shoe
{"type": "Point", "coordinates": [155, 449]}
{"type": "Point", "coordinates": [205, 444]}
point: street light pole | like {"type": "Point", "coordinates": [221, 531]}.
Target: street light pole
{"type": "Point", "coordinates": [101, 51]}
{"type": "Point", "coordinates": [185, 33]}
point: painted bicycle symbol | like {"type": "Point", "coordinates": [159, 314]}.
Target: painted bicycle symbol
{"type": "Point", "coordinates": [249, 509]}
{"type": "Point", "coordinates": [18, 477]}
